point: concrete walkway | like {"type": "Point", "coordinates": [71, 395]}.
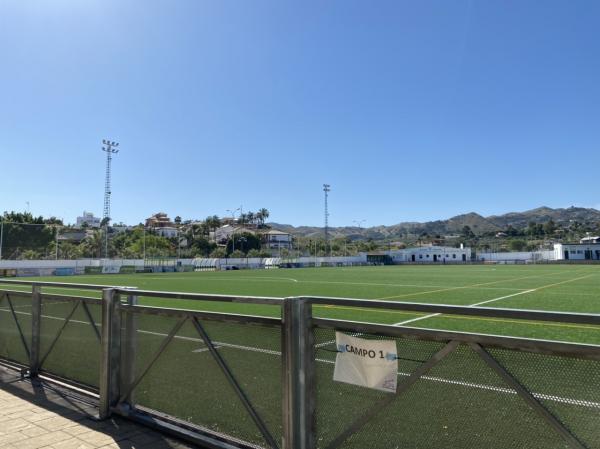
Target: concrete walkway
{"type": "Point", "coordinates": [40, 415]}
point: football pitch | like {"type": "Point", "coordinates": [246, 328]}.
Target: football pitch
{"type": "Point", "coordinates": [185, 377]}
{"type": "Point", "coordinates": [563, 288]}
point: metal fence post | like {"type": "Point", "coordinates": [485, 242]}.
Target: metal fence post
{"type": "Point", "coordinates": [36, 325]}
{"type": "Point", "coordinates": [111, 352]}
{"type": "Point", "coordinates": [298, 375]}
{"type": "Point", "coordinates": [129, 350]}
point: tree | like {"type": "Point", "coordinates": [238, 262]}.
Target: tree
{"type": "Point", "coordinates": [156, 246]}
{"type": "Point", "coordinates": [23, 231]}
{"type": "Point", "coordinates": [254, 253]}
{"type": "Point", "coordinates": [218, 253]}
{"type": "Point", "coordinates": [237, 254]}
{"type": "Point", "coordinates": [467, 232]}
{"type": "Point", "coordinates": [92, 245]}
{"type": "Point", "coordinates": [213, 222]}
{"type": "Point", "coordinates": [550, 228]}
{"type": "Point", "coordinates": [244, 242]}
{"type": "Point", "coordinates": [30, 255]}
{"type": "Point", "coordinates": [511, 231]}
{"type": "Point", "coordinates": [200, 246]}
{"type": "Point", "coordinates": [517, 245]}
{"type": "Point", "coordinates": [177, 220]}
{"type": "Point", "coordinates": [262, 216]}
{"type": "Point", "coordinates": [535, 229]}
{"type": "Point", "coordinates": [67, 250]}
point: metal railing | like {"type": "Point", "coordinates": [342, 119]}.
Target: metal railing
{"type": "Point", "coordinates": [228, 380]}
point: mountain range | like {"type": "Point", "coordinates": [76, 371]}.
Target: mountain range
{"type": "Point", "coordinates": [452, 226]}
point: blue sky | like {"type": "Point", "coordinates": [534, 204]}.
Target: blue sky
{"type": "Point", "coordinates": [411, 110]}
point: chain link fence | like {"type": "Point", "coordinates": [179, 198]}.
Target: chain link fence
{"type": "Point", "coordinates": [461, 401]}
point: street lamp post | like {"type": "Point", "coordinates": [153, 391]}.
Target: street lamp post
{"type": "Point", "coordinates": [232, 212]}
{"type": "Point", "coordinates": [359, 224]}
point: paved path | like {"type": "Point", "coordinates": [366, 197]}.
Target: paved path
{"type": "Point", "coordinates": [40, 415]}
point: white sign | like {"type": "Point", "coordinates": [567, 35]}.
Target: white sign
{"type": "Point", "coordinates": [367, 363]}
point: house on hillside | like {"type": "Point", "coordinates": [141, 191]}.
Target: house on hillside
{"type": "Point", "coordinates": [88, 219]}
{"type": "Point", "coordinates": [274, 239]}
{"type": "Point", "coordinates": [221, 235]}
{"type": "Point", "coordinates": [72, 235]}
{"type": "Point", "coordinates": [167, 231]}
{"type": "Point", "coordinates": [590, 240]}
{"type": "Point", "coordinates": [159, 220]}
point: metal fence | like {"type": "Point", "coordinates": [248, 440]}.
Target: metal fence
{"type": "Point", "coordinates": [226, 380]}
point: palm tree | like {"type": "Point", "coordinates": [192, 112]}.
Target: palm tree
{"type": "Point", "coordinates": [212, 223]}
{"type": "Point", "coordinates": [93, 244]}
{"type": "Point", "coordinates": [263, 215]}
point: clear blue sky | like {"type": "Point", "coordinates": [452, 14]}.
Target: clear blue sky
{"type": "Point", "coordinates": [411, 110]}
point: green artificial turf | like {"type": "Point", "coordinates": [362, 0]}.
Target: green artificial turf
{"type": "Point", "coordinates": [470, 402]}
{"type": "Point", "coordinates": [565, 288]}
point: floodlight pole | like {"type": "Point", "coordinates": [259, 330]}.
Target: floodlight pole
{"type": "Point", "coordinates": [327, 189]}
{"type": "Point", "coordinates": [109, 148]}
{"type": "Point", "coordinates": [1, 236]}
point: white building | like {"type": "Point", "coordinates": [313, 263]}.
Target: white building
{"type": "Point", "coordinates": [89, 219]}
{"type": "Point", "coordinates": [588, 239]}
{"type": "Point", "coordinates": [224, 233]}
{"type": "Point", "coordinates": [432, 254]}
{"type": "Point", "coordinates": [275, 239]}
{"type": "Point", "coordinates": [577, 251]}
{"type": "Point", "coordinates": [166, 231]}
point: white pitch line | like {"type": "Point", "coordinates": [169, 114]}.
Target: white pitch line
{"type": "Point", "coordinates": [431, 315]}
{"type": "Point", "coordinates": [579, 402]}
{"type": "Point", "coordinates": [256, 279]}
{"type": "Point", "coordinates": [412, 320]}
{"type": "Point", "coordinates": [217, 343]}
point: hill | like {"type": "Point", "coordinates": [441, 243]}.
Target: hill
{"type": "Point", "coordinates": [454, 225]}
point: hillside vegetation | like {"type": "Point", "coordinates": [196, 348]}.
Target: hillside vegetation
{"type": "Point", "coordinates": [588, 218]}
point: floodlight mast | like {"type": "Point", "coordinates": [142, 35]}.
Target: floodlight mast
{"type": "Point", "coordinates": [327, 189]}
{"type": "Point", "coordinates": [109, 148]}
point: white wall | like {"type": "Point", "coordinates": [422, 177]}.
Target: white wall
{"type": "Point", "coordinates": [521, 256]}
{"type": "Point", "coordinates": [426, 253]}
{"type": "Point", "coordinates": [576, 252]}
